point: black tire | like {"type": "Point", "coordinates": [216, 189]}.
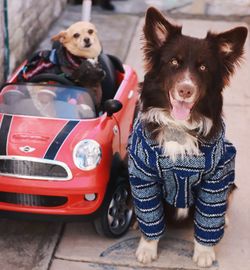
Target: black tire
{"type": "Point", "coordinates": [117, 211]}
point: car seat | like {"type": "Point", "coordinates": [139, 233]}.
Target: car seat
{"type": "Point", "coordinates": [111, 65]}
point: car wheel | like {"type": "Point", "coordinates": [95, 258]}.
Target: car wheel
{"type": "Point", "coordinates": [117, 212]}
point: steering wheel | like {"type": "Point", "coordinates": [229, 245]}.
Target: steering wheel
{"type": "Point", "coordinates": [46, 77]}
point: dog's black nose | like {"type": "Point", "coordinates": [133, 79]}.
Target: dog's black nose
{"type": "Point", "coordinates": [86, 40]}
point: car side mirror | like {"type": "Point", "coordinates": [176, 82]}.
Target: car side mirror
{"type": "Point", "coordinates": [112, 106]}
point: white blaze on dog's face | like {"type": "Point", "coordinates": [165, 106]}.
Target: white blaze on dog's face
{"type": "Point", "coordinates": [183, 95]}
{"type": "Point", "coordinates": [80, 39]}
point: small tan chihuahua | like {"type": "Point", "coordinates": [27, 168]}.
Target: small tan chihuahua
{"type": "Point", "coordinates": [79, 51]}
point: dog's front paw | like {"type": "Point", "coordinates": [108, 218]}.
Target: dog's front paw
{"type": "Point", "coordinates": [147, 251]}
{"type": "Point", "coordinates": [204, 256]}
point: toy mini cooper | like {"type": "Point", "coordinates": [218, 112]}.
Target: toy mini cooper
{"type": "Point", "coordinates": [65, 159]}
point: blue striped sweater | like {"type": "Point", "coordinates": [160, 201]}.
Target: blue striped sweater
{"type": "Point", "coordinates": [200, 180]}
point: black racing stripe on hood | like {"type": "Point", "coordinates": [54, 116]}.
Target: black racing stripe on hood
{"type": "Point", "coordinates": [4, 132]}
{"type": "Point", "coordinates": [60, 138]}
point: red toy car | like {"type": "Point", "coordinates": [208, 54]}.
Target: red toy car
{"type": "Point", "coordinates": [59, 157]}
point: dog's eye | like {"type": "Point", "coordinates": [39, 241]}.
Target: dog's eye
{"type": "Point", "coordinates": [174, 62]}
{"type": "Point", "coordinates": [76, 35]}
{"type": "Point", "coordinates": [202, 68]}
{"type": "Point", "coordinates": [90, 31]}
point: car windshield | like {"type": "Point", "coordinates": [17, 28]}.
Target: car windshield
{"type": "Point", "coordinates": [43, 100]}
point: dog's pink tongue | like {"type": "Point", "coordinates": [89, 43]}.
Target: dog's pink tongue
{"type": "Point", "coordinates": [181, 109]}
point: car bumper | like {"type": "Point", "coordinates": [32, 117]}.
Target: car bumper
{"type": "Point", "coordinates": [78, 196]}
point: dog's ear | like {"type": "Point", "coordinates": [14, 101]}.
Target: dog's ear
{"type": "Point", "coordinates": [157, 30]}
{"type": "Point", "coordinates": [61, 37]}
{"type": "Point", "coordinates": [230, 46]}
{"type": "Point", "coordinates": [231, 43]}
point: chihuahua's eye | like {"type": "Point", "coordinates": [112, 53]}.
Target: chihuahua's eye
{"type": "Point", "coordinates": [202, 68]}
{"type": "Point", "coordinates": [174, 62]}
{"type": "Point", "coordinates": [76, 35]}
{"type": "Point", "coordinates": [90, 31]}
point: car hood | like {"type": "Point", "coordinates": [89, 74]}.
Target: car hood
{"type": "Point", "coordinates": [39, 137]}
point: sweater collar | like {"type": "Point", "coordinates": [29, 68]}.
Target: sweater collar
{"type": "Point", "coordinates": [75, 61]}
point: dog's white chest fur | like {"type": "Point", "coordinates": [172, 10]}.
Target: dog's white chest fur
{"type": "Point", "coordinates": [176, 142]}
{"type": "Point", "coordinates": [93, 61]}
{"type": "Point", "coordinates": [174, 137]}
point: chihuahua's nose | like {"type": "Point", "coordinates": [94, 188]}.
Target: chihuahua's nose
{"type": "Point", "coordinates": [86, 40]}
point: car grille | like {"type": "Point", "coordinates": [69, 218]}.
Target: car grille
{"type": "Point", "coordinates": [32, 200]}
{"type": "Point", "coordinates": [34, 168]}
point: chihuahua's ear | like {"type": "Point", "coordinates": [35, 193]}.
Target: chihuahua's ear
{"type": "Point", "coordinates": [61, 37]}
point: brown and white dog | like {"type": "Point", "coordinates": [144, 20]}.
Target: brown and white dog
{"type": "Point", "coordinates": [180, 107]}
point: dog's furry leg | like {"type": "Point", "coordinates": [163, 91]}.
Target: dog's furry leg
{"type": "Point", "coordinates": [233, 188]}
{"type": "Point", "coordinates": [182, 213]}
{"type": "Point", "coordinates": [147, 250]}
{"type": "Point", "coordinates": [204, 256]}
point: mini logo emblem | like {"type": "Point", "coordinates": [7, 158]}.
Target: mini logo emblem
{"type": "Point", "coordinates": [27, 149]}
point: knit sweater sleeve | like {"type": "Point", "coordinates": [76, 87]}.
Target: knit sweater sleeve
{"type": "Point", "coordinates": [211, 201]}
{"type": "Point", "coordinates": [145, 185]}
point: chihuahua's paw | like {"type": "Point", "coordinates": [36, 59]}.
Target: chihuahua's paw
{"type": "Point", "coordinates": [204, 256]}
{"type": "Point", "coordinates": [147, 251]}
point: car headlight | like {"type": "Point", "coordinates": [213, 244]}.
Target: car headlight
{"type": "Point", "coordinates": [87, 155]}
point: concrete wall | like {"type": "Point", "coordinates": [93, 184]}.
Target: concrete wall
{"type": "Point", "coordinates": [29, 20]}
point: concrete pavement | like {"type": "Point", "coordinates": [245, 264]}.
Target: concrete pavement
{"type": "Point", "coordinates": [27, 245]}
{"type": "Point", "coordinates": [42, 246]}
